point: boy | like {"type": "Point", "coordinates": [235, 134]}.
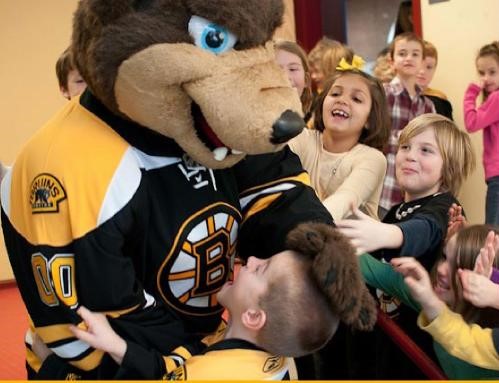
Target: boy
{"type": "Point", "coordinates": [405, 101]}
{"type": "Point", "coordinates": [267, 303]}
{"type": "Point", "coordinates": [424, 77]}
{"type": "Point", "coordinates": [71, 84]}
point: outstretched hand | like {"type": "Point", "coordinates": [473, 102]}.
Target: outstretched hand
{"type": "Point", "coordinates": [485, 260]}
{"type": "Point", "coordinates": [457, 221]}
{"type": "Point", "coordinates": [418, 281]}
{"type": "Point", "coordinates": [479, 290]}
{"type": "Point", "coordinates": [99, 334]}
{"type": "Point", "coordinates": [367, 234]}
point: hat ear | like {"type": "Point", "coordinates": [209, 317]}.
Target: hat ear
{"type": "Point", "coordinates": [336, 269]}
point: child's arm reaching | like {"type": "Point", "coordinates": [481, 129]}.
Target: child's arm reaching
{"type": "Point", "coordinates": [100, 335]}
{"type": "Point", "coordinates": [368, 234]}
{"type": "Point", "coordinates": [136, 362]}
{"type": "Point", "coordinates": [465, 341]}
{"type": "Point", "coordinates": [468, 342]}
{"type": "Point", "coordinates": [418, 281]}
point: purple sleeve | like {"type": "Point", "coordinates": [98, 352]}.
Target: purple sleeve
{"type": "Point", "coordinates": [495, 276]}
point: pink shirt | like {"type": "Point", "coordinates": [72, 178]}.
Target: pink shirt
{"type": "Point", "coordinates": [485, 117]}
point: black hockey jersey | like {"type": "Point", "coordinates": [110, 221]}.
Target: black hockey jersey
{"type": "Point", "coordinates": [101, 212]}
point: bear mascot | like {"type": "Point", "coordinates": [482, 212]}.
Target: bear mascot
{"type": "Point", "coordinates": [134, 199]}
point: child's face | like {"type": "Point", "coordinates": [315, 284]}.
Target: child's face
{"type": "Point", "coordinates": [293, 67]}
{"type": "Point", "coordinates": [317, 75]}
{"type": "Point", "coordinates": [76, 85]}
{"type": "Point", "coordinates": [346, 107]}
{"type": "Point", "coordinates": [443, 283]}
{"type": "Point", "coordinates": [488, 71]}
{"type": "Point", "coordinates": [407, 58]}
{"type": "Point", "coordinates": [418, 166]}
{"type": "Point", "coordinates": [253, 280]}
{"type": "Point", "coordinates": [425, 74]}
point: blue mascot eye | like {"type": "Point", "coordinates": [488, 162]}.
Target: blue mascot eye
{"type": "Point", "coordinates": [210, 36]}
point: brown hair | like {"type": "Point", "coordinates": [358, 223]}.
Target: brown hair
{"type": "Point", "coordinates": [407, 36]}
{"type": "Point", "coordinates": [294, 48]}
{"type": "Point", "coordinates": [317, 290]}
{"type": "Point", "coordinates": [469, 240]}
{"type": "Point", "coordinates": [430, 50]}
{"type": "Point", "coordinates": [378, 122]}
{"type": "Point", "coordinates": [491, 50]}
{"type": "Point", "coordinates": [454, 146]}
{"type": "Point", "coordinates": [63, 66]}
{"type": "Point", "coordinates": [327, 53]}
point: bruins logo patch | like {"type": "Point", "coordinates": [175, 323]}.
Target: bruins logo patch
{"type": "Point", "coordinates": [46, 193]}
{"type": "Point", "coordinates": [273, 363]}
{"type": "Point", "coordinates": [201, 260]}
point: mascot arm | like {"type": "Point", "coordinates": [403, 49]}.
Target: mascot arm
{"type": "Point", "coordinates": [276, 196]}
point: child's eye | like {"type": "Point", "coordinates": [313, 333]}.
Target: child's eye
{"type": "Point", "coordinates": [427, 150]}
{"type": "Point", "coordinates": [357, 100]}
{"type": "Point", "coordinates": [404, 147]}
{"type": "Point", "coordinates": [335, 94]}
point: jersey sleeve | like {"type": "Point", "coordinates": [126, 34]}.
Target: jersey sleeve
{"type": "Point", "coordinates": [275, 196]}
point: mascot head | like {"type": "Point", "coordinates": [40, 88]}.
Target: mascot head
{"type": "Point", "coordinates": [200, 72]}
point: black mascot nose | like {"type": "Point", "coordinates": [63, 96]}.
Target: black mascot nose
{"type": "Point", "coordinates": [289, 125]}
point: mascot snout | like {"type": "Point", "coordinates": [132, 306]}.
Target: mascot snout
{"type": "Point", "coordinates": [289, 125]}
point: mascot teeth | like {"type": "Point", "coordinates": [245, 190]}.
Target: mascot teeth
{"type": "Point", "coordinates": [220, 153]}
{"type": "Point", "coordinates": [235, 151]}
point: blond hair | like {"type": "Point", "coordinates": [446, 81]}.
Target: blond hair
{"type": "Point", "coordinates": [327, 53]}
{"type": "Point", "coordinates": [454, 146]}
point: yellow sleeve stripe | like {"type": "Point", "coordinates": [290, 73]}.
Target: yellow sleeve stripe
{"type": "Point", "coordinates": [260, 205]}
{"type": "Point", "coordinates": [33, 360]}
{"type": "Point", "coordinates": [183, 352]}
{"type": "Point", "coordinates": [302, 178]}
{"type": "Point", "coordinates": [169, 364]}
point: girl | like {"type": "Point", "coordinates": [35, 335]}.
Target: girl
{"type": "Point", "coordinates": [293, 59]}
{"type": "Point", "coordinates": [342, 154]}
{"type": "Point", "coordinates": [433, 159]}
{"type": "Point", "coordinates": [324, 58]}
{"type": "Point", "coordinates": [486, 117]}
{"type": "Point", "coordinates": [414, 288]}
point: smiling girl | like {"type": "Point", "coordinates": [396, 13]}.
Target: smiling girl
{"type": "Point", "coordinates": [342, 153]}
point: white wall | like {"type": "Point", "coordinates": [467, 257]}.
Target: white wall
{"type": "Point", "coordinates": [458, 28]}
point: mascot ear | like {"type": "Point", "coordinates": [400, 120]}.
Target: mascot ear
{"type": "Point", "coordinates": [109, 10]}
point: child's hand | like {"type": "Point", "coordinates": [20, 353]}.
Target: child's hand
{"type": "Point", "coordinates": [99, 334]}
{"type": "Point", "coordinates": [456, 221]}
{"type": "Point", "coordinates": [367, 234]}
{"type": "Point", "coordinates": [479, 290]}
{"type": "Point", "coordinates": [485, 260]}
{"type": "Point", "coordinates": [418, 281]}
{"type": "Point", "coordinates": [39, 347]}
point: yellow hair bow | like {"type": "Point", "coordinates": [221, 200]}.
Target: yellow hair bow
{"type": "Point", "coordinates": [357, 63]}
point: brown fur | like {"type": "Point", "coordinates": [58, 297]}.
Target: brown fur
{"type": "Point", "coordinates": [139, 60]}
{"type": "Point", "coordinates": [336, 270]}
